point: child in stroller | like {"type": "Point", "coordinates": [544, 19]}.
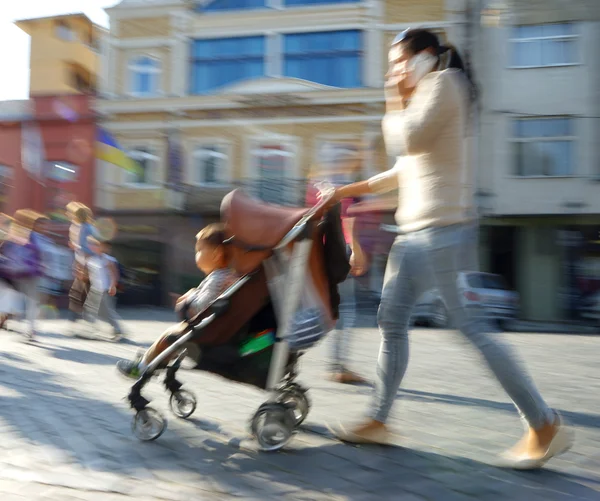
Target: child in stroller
{"type": "Point", "coordinates": [289, 262]}
{"type": "Point", "coordinates": [212, 260]}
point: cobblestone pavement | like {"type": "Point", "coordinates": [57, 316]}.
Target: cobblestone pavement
{"type": "Point", "coordinates": [65, 428]}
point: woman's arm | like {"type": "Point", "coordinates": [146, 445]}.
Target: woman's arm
{"type": "Point", "coordinates": [353, 190]}
{"type": "Point", "coordinates": [412, 130]}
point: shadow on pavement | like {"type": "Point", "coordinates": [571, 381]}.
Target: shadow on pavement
{"type": "Point", "coordinates": [576, 418]}
{"type": "Point", "coordinates": [203, 455]}
{"type": "Point", "coordinates": [80, 356]}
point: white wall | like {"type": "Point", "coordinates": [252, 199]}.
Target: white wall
{"type": "Point", "coordinates": [571, 90]}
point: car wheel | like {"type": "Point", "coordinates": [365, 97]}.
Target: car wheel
{"type": "Point", "coordinates": [439, 316]}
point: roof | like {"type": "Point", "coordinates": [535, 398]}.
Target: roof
{"type": "Point", "coordinates": [23, 23]}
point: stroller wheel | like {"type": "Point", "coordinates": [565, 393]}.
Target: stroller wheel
{"type": "Point", "coordinates": [148, 424]}
{"type": "Point", "coordinates": [297, 399]}
{"type": "Point", "coordinates": [182, 403]}
{"type": "Point", "coordinates": [273, 426]}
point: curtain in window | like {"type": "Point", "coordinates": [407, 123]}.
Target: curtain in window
{"type": "Point", "coordinates": [220, 62]}
{"type": "Point", "coordinates": [328, 58]}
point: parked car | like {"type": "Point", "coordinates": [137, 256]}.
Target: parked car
{"type": "Point", "coordinates": [499, 302]}
{"type": "Point", "coordinates": [590, 311]}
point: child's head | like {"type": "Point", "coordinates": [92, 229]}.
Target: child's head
{"type": "Point", "coordinates": [95, 245]}
{"type": "Point", "coordinates": [83, 214]}
{"type": "Point", "coordinates": [211, 252]}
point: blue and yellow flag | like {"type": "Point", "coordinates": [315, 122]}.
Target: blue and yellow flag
{"type": "Point", "coordinates": [108, 149]}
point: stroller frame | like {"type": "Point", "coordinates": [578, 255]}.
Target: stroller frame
{"type": "Point", "coordinates": [276, 420]}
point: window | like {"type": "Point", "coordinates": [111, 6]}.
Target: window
{"type": "Point", "coordinates": [64, 32]}
{"type": "Point", "coordinates": [544, 45]}
{"type": "Point", "coordinates": [220, 62]}
{"type": "Point", "coordinates": [339, 161]}
{"type": "Point", "coordinates": [145, 76]}
{"type": "Point", "coordinates": [220, 5]}
{"type": "Point", "coordinates": [211, 165]}
{"type": "Point", "coordinates": [289, 3]}
{"type": "Point", "coordinates": [328, 58]}
{"type": "Point", "coordinates": [148, 163]}
{"type": "Point", "coordinates": [62, 172]}
{"type": "Point", "coordinates": [486, 281]}
{"type": "Point", "coordinates": [274, 173]}
{"type": "Point", "coordinates": [544, 147]}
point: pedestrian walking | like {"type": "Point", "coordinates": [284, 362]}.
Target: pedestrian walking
{"type": "Point", "coordinates": [81, 228]}
{"type": "Point", "coordinates": [427, 103]}
{"type": "Point", "coordinates": [103, 277]}
{"type": "Point", "coordinates": [337, 168]}
{"type": "Point", "coordinates": [22, 263]}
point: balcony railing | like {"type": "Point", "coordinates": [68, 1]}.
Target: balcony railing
{"type": "Point", "coordinates": [207, 198]}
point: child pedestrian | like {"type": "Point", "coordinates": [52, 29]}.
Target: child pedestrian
{"type": "Point", "coordinates": [103, 287]}
{"type": "Point", "coordinates": [212, 259]}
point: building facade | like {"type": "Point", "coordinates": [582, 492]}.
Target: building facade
{"type": "Point", "coordinates": [47, 142]}
{"type": "Point", "coordinates": [210, 95]}
{"type": "Point", "coordinates": [63, 54]}
{"type": "Point", "coordinates": [539, 174]}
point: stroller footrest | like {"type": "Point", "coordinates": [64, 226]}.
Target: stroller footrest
{"type": "Point", "coordinates": [170, 382]}
{"type": "Point", "coordinates": [136, 400]}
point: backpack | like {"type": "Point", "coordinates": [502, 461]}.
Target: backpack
{"type": "Point", "coordinates": [20, 261]}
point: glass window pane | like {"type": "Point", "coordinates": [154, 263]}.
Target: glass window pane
{"type": "Point", "coordinates": [528, 31]}
{"type": "Point", "coordinates": [223, 62]}
{"type": "Point", "coordinates": [555, 127]}
{"type": "Point", "coordinates": [556, 30]}
{"type": "Point", "coordinates": [531, 128]}
{"type": "Point", "coordinates": [558, 156]}
{"type": "Point", "coordinates": [527, 53]}
{"type": "Point", "coordinates": [558, 52]}
{"type": "Point", "coordinates": [329, 58]}
{"type": "Point", "coordinates": [529, 159]}
{"type": "Point", "coordinates": [517, 128]}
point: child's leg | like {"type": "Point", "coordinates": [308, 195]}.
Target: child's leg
{"type": "Point", "coordinates": [91, 307]}
{"type": "Point", "coordinates": [109, 313]}
{"type": "Point", "coordinates": [165, 340]}
{"type": "Point", "coordinates": [134, 369]}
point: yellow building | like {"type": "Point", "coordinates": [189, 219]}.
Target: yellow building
{"type": "Point", "coordinates": [64, 56]}
{"type": "Point", "coordinates": [251, 92]}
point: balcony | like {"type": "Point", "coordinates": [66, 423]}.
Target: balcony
{"type": "Point", "coordinates": [207, 199]}
{"type": "Point", "coordinates": [132, 198]}
{"type": "Point", "coordinates": [197, 199]}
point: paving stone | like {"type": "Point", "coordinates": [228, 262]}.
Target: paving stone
{"type": "Point", "coordinates": [65, 428]}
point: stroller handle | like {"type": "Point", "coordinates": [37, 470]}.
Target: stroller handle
{"type": "Point", "coordinates": [314, 211]}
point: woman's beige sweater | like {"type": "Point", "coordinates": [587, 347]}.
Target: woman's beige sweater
{"type": "Point", "coordinates": [431, 174]}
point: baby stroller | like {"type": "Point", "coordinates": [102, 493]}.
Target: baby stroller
{"type": "Point", "coordinates": [290, 261]}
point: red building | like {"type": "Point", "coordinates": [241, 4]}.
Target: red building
{"type": "Point", "coordinates": [47, 151]}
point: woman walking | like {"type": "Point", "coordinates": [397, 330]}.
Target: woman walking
{"type": "Point", "coordinates": [426, 117]}
{"type": "Point", "coordinates": [24, 260]}
{"type": "Point", "coordinates": [81, 228]}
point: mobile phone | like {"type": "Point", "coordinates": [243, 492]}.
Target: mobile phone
{"type": "Point", "coordinates": [419, 66]}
